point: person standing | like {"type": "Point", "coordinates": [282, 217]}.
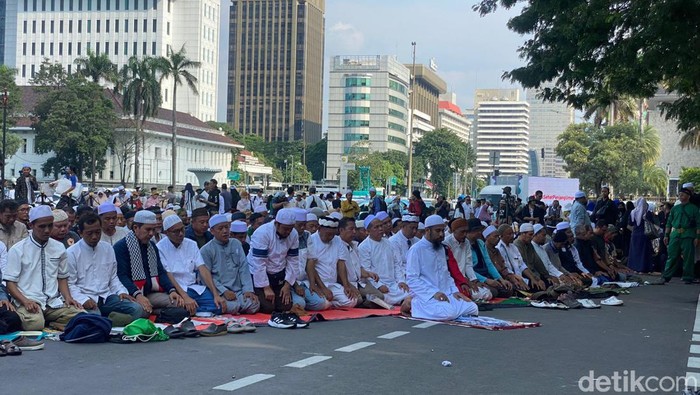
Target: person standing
{"type": "Point", "coordinates": [375, 202]}
{"type": "Point", "coordinates": [640, 257]}
{"type": "Point", "coordinates": [442, 208]}
{"type": "Point", "coordinates": [579, 215]}
{"type": "Point", "coordinates": [605, 208]}
{"type": "Point", "coordinates": [227, 198]}
{"type": "Point", "coordinates": [682, 236]}
{"type": "Point", "coordinates": [349, 207]}
{"type": "Point", "coordinates": [26, 185]}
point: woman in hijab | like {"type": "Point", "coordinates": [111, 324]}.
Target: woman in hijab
{"type": "Point", "coordinates": [640, 251]}
{"type": "Point", "coordinates": [188, 200]}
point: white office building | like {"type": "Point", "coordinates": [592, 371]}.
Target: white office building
{"type": "Point", "coordinates": [502, 132]}
{"type": "Point", "coordinates": [451, 117]}
{"type": "Point", "coordinates": [64, 30]}
{"type": "Point", "coordinates": [547, 121]}
{"type": "Point", "coordinates": [367, 108]}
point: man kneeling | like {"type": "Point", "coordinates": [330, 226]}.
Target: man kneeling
{"type": "Point", "coordinates": [434, 295]}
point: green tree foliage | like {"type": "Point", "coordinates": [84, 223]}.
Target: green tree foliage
{"type": "Point", "coordinates": [613, 155]}
{"type": "Point", "coordinates": [75, 123]}
{"type": "Point", "coordinates": [383, 166]}
{"type": "Point", "coordinates": [316, 154]}
{"type": "Point", "coordinates": [444, 154]}
{"type": "Point", "coordinates": [690, 174]}
{"type": "Point", "coordinates": [97, 68]}
{"type": "Point", "coordinates": [591, 48]}
{"type": "Point", "coordinates": [177, 66]}
{"type": "Point", "coordinates": [51, 76]}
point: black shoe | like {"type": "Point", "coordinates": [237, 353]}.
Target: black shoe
{"type": "Point", "coordinates": [281, 321]}
{"type": "Point", "coordinates": [297, 321]}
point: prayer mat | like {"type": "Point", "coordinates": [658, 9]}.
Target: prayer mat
{"type": "Point", "coordinates": [497, 303]}
{"type": "Point", "coordinates": [481, 322]}
{"type": "Point", "coordinates": [260, 319]}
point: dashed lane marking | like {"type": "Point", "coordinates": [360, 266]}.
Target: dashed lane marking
{"type": "Point", "coordinates": [393, 335]}
{"type": "Point", "coordinates": [308, 361]}
{"type": "Point", "coordinates": [355, 347]}
{"type": "Point", "coordinates": [425, 325]}
{"type": "Point", "coordinates": [244, 382]}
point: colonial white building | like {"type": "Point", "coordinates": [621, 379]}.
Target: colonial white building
{"type": "Point", "coordinates": [199, 147]}
{"type": "Point", "coordinates": [64, 30]}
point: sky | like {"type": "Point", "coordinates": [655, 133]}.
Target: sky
{"type": "Point", "coordinates": [470, 51]}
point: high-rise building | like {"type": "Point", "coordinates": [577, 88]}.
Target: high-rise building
{"type": "Point", "coordinates": [427, 88]}
{"type": "Point", "coordinates": [64, 30]}
{"type": "Point", "coordinates": [275, 68]}
{"type": "Point", "coordinates": [502, 132]}
{"type": "Point", "coordinates": [547, 121]}
{"type": "Point", "coordinates": [3, 14]}
{"type": "Point", "coordinates": [451, 117]}
{"type": "Point", "coordinates": [367, 107]}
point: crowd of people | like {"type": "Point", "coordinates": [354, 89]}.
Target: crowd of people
{"type": "Point", "coordinates": [214, 251]}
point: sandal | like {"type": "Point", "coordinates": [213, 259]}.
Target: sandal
{"type": "Point", "coordinates": [189, 329]}
{"type": "Point", "coordinates": [248, 325]}
{"type": "Point", "coordinates": [10, 348]}
{"type": "Point", "coordinates": [235, 326]}
{"type": "Point", "coordinates": [214, 330]}
{"type": "Point", "coordinates": [174, 333]}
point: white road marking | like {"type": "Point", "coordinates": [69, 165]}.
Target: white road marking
{"type": "Point", "coordinates": [692, 380]}
{"type": "Point", "coordinates": [244, 382]}
{"type": "Point", "coordinates": [696, 338]}
{"type": "Point", "coordinates": [695, 349]}
{"type": "Point", "coordinates": [393, 335]}
{"type": "Point", "coordinates": [697, 317]}
{"type": "Point", "coordinates": [355, 347]}
{"type": "Point", "coordinates": [694, 362]}
{"type": "Point", "coordinates": [307, 361]}
{"type": "Point", "coordinates": [426, 324]}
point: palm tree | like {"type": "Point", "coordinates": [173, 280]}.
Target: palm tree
{"type": "Point", "coordinates": [690, 139]}
{"type": "Point", "coordinates": [97, 67]}
{"type": "Point", "coordinates": [614, 109]}
{"type": "Point", "coordinates": [656, 179]}
{"type": "Point", "coordinates": [141, 97]}
{"type": "Point", "coordinates": [176, 66]}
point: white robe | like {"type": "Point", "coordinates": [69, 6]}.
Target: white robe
{"type": "Point", "coordinates": [327, 256]}
{"type": "Point", "coordinates": [378, 257]}
{"type": "Point", "coordinates": [399, 242]}
{"type": "Point", "coordinates": [427, 274]}
{"type": "Point", "coordinates": [93, 272]}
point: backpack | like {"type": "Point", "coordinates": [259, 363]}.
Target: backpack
{"type": "Point", "coordinates": [313, 202]}
{"type": "Point", "coordinates": [172, 315]}
{"type": "Point", "coordinates": [143, 330]}
{"type": "Point", "coordinates": [87, 328]}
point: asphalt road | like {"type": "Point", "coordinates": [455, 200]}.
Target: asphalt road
{"type": "Point", "coordinates": [650, 335]}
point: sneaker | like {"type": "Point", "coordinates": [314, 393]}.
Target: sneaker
{"type": "Point", "coordinates": [281, 321]}
{"type": "Point", "coordinates": [26, 344]}
{"type": "Point", "coordinates": [298, 321]}
{"type": "Point", "coordinates": [611, 301]}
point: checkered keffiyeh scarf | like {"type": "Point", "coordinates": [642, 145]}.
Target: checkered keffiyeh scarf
{"type": "Point", "coordinates": [137, 272]}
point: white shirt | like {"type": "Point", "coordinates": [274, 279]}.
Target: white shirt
{"type": "Point", "coordinates": [551, 269]}
{"type": "Point", "coordinates": [327, 256]}
{"type": "Point", "coordinates": [400, 244]}
{"type": "Point", "coordinates": [512, 258]}
{"type": "Point", "coordinates": [378, 257]}
{"type": "Point", "coordinates": [353, 263]}
{"type": "Point", "coordinates": [426, 271]}
{"type": "Point", "coordinates": [270, 254]}
{"type": "Point", "coordinates": [3, 257]}
{"type": "Point", "coordinates": [119, 234]}
{"type": "Point", "coordinates": [93, 272]}
{"type": "Point", "coordinates": [463, 255]}
{"type": "Point", "coordinates": [37, 280]}
{"type": "Point", "coordinates": [182, 262]}
{"type": "Point", "coordinates": [577, 259]}
{"type": "Point", "coordinates": [257, 201]}
{"type": "Point", "coordinates": [303, 254]}
{"type": "Point", "coordinates": [319, 203]}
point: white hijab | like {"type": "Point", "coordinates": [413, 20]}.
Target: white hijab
{"type": "Point", "coordinates": [640, 209]}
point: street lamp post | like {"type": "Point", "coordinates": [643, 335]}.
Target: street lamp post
{"type": "Point", "coordinates": [286, 171]}
{"type": "Point", "coordinates": [412, 78]}
{"type": "Point", "coordinates": [324, 170]}
{"type": "Point", "coordinates": [5, 102]}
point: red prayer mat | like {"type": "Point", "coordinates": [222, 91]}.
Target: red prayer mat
{"type": "Point", "coordinates": [260, 319]}
{"type": "Point", "coordinates": [509, 324]}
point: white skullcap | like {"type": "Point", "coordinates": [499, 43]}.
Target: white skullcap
{"type": "Point", "coordinates": [421, 226]}
{"type": "Point", "coordinates": [369, 219]}
{"type": "Point", "coordinates": [688, 185]}
{"type": "Point", "coordinates": [239, 227]}
{"type": "Point", "coordinates": [526, 227]}
{"type": "Point", "coordinates": [360, 224]}
{"type": "Point", "coordinates": [382, 215]}
{"type": "Point", "coordinates": [167, 213]}
{"type": "Point", "coordinates": [115, 190]}
{"type": "Point", "coordinates": [433, 220]}
{"type": "Point", "coordinates": [217, 219]}
{"type": "Point", "coordinates": [105, 208]}
{"type": "Point", "coordinates": [120, 188]}
{"type": "Point", "coordinates": [145, 217]}
{"type": "Point", "coordinates": [310, 217]}
{"type": "Point", "coordinates": [336, 215]}
{"type": "Point", "coordinates": [170, 221]}
{"type": "Point", "coordinates": [488, 231]}
{"type": "Point", "coordinates": [579, 194]}
{"type": "Point", "coordinates": [299, 214]}
{"type": "Point", "coordinates": [563, 226]}
{"type": "Point", "coordinates": [41, 211]}
{"type": "Point", "coordinates": [286, 216]}
{"type": "Point", "coordinates": [394, 221]}
{"type": "Point", "coordinates": [59, 215]}
{"type": "Point", "coordinates": [410, 218]}
{"type": "Point", "coordinates": [537, 228]}
{"type": "Point", "coordinates": [260, 209]}
{"type": "Point", "coordinates": [328, 222]}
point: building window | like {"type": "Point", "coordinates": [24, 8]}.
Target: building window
{"type": "Point", "coordinates": [126, 26]}
{"type": "Point", "coordinates": [51, 27]}
{"type": "Point", "coordinates": [155, 25]}
{"type": "Point", "coordinates": [26, 5]}
{"type": "Point", "coordinates": [126, 48]}
{"type": "Point", "coordinates": [116, 48]}
{"type": "Point", "coordinates": [60, 48]}
{"type": "Point", "coordinates": [135, 48]}
{"type": "Point", "coordinates": [79, 49]}
{"type": "Point", "coordinates": [70, 5]}
{"type": "Point", "coordinates": [80, 26]}
{"type": "Point", "coordinates": [24, 49]}
{"type": "Point", "coordinates": [24, 70]}
{"type": "Point", "coordinates": [107, 4]}
{"type": "Point", "coordinates": [42, 49]}
{"type": "Point", "coordinates": [24, 26]}
{"type": "Point", "coordinates": [136, 25]}
{"type": "Point", "coordinates": [357, 81]}
{"type": "Point", "coordinates": [80, 5]}
{"type": "Point", "coordinates": [97, 48]}
{"type": "Point", "coordinates": [116, 25]}
{"type": "Point", "coordinates": [155, 4]}
{"type": "Point", "coordinates": [69, 69]}
{"type": "Point", "coordinates": [97, 27]}
{"type": "Point", "coordinates": [354, 123]}
{"type": "Point", "coordinates": [111, 175]}
{"type": "Point", "coordinates": [70, 48]}
{"type": "Point", "coordinates": [126, 4]}
{"type": "Point", "coordinates": [89, 5]}
{"type": "Point", "coordinates": [33, 26]}
{"type": "Point", "coordinates": [396, 100]}
{"type": "Point", "coordinates": [356, 137]}
{"type": "Point", "coordinates": [43, 27]}
{"type": "Point", "coordinates": [70, 26]}
{"type": "Point", "coordinates": [357, 96]}
{"type": "Point", "coordinates": [53, 5]}
{"type": "Point", "coordinates": [145, 48]}
{"type": "Point", "coordinates": [32, 73]}
{"type": "Point", "coordinates": [397, 87]}
{"type": "Point", "coordinates": [60, 26]}
{"type": "Point", "coordinates": [145, 26]}
{"type": "Point", "coordinates": [116, 4]}
{"type": "Point", "coordinates": [89, 26]}
{"type": "Point", "coordinates": [397, 140]}
{"type": "Point", "coordinates": [397, 114]}
{"type": "Point", "coordinates": [153, 48]}
{"type": "Point", "coordinates": [24, 146]}
{"type": "Point", "coordinates": [167, 31]}
{"type": "Point", "coordinates": [396, 126]}
{"type": "Point", "coordinates": [99, 8]}
{"type": "Point", "coordinates": [60, 5]}
{"type": "Point", "coordinates": [169, 2]}
{"type": "Point", "coordinates": [33, 48]}
{"type": "Point", "coordinates": [356, 110]}
{"type": "Point", "coordinates": [107, 26]}
{"type": "Point", "coordinates": [51, 49]}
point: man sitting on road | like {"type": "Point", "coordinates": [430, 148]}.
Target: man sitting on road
{"type": "Point", "coordinates": [61, 231]}
{"type": "Point", "coordinates": [92, 268]}
{"type": "Point", "coordinates": [238, 232]}
{"type": "Point", "coordinates": [198, 228]}
{"type": "Point", "coordinates": [518, 273]}
{"type": "Point", "coordinates": [225, 259]}
{"type": "Point", "coordinates": [182, 260]}
{"type": "Point", "coordinates": [539, 240]}
{"type": "Point", "coordinates": [303, 297]}
{"type": "Point", "coordinates": [403, 240]}
{"type": "Point", "coordinates": [11, 230]}
{"type": "Point", "coordinates": [326, 267]}
{"type": "Point", "coordinates": [377, 255]}
{"type": "Point", "coordinates": [462, 253]}
{"type": "Point", "coordinates": [111, 233]}
{"type": "Point", "coordinates": [37, 276]}
{"type": "Point", "coordinates": [588, 256]}
{"type": "Point", "coordinates": [434, 295]}
{"type": "Point", "coordinates": [140, 270]}
{"type": "Point", "coordinates": [523, 243]}
{"type": "Point", "coordinates": [486, 271]}
{"type": "Point", "coordinates": [357, 275]}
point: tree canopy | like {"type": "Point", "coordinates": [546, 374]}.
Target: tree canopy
{"type": "Point", "coordinates": [599, 51]}
{"type": "Point", "coordinates": [444, 154]}
{"type": "Point", "coordinates": [7, 84]}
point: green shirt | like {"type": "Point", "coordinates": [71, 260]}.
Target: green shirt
{"type": "Point", "coordinates": [681, 218]}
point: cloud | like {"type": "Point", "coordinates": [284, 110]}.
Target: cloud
{"type": "Point", "coordinates": [345, 38]}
